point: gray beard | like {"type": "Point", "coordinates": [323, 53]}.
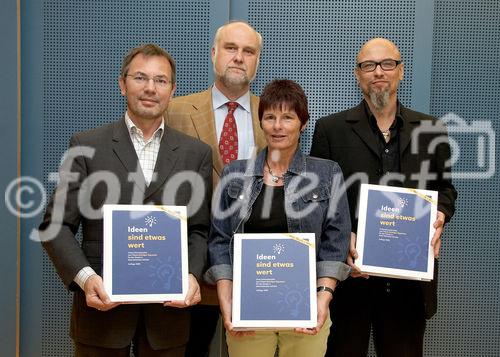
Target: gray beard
{"type": "Point", "coordinates": [235, 83]}
{"type": "Point", "coordinates": [379, 99]}
{"type": "Point", "coordinates": [232, 83]}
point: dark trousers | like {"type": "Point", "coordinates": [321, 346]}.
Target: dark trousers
{"type": "Point", "coordinates": [140, 346]}
{"type": "Point", "coordinates": [202, 329]}
{"type": "Point", "coordinates": [392, 308]}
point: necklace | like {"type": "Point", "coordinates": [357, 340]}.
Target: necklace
{"type": "Point", "coordinates": [386, 134]}
{"type": "Point", "coordinates": [274, 177]}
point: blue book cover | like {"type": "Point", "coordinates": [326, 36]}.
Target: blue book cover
{"type": "Point", "coordinates": [274, 279]}
{"type": "Point", "coordinates": [395, 231]}
{"type": "Point", "coordinates": [146, 251]}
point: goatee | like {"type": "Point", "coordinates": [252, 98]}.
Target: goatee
{"type": "Point", "coordinates": [234, 82]}
{"type": "Point", "coordinates": [230, 81]}
{"type": "Point", "coordinates": [379, 99]}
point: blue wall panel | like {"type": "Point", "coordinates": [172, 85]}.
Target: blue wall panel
{"type": "Point", "coordinates": [9, 165]}
{"type": "Point", "coordinates": [315, 43]}
{"type": "Point", "coordinates": [71, 57]}
{"type": "Point", "coordinates": [465, 83]}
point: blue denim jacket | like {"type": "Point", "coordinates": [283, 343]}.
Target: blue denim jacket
{"type": "Point", "coordinates": [315, 202]}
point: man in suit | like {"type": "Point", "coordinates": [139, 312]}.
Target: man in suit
{"type": "Point", "coordinates": [130, 161]}
{"type": "Point", "coordinates": [372, 142]}
{"type": "Point", "coordinates": [235, 57]}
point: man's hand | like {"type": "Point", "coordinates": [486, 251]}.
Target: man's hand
{"type": "Point", "coordinates": [96, 296]}
{"type": "Point", "coordinates": [436, 238]}
{"type": "Point", "coordinates": [353, 254]}
{"type": "Point", "coordinates": [193, 295]}
{"type": "Point", "coordinates": [225, 296]}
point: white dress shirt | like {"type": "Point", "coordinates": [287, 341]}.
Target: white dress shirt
{"type": "Point", "coordinates": [147, 153]}
{"type": "Point", "coordinates": [243, 117]}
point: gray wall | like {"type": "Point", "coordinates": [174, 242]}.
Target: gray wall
{"type": "Point", "coordinates": [9, 165]}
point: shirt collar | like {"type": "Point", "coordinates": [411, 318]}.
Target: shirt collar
{"type": "Point", "coordinates": [132, 128]}
{"type": "Point", "coordinates": [219, 99]}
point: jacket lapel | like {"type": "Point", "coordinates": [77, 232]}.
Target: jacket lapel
{"type": "Point", "coordinates": [406, 131]}
{"type": "Point", "coordinates": [124, 150]}
{"type": "Point", "coordinates": [258, 134]}
{"type": "Point", "coordinates": [362, 128]}
{"type": "Point", "coordinates": [204, 123]}
{"type": "Point", "coordinates": [165, 162]}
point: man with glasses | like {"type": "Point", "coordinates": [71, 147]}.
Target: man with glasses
{"type": "Point", "coordinates": [129, 161]}
{"type": "Point", "coordinates": [213, 116]}
{"type": "Point", "coordinates": [372, 142]}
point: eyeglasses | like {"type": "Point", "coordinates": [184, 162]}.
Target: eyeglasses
{"type": "Point", "coordinates": [142, 80]}
{"type": "Point", "coordinates": [386, 65]}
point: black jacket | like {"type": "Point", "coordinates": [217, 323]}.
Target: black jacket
{"type": "Point", "coordinates": [348, 139]}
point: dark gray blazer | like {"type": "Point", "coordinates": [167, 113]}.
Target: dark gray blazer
{"type": "Point", "coordinates": [348, 139]}
{"type": "Point", "coordinates": [115, 154]}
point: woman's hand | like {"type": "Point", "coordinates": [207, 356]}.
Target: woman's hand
{"type": "Point", "coordinates": [225, 295]}
{"type": "Point", "coordinates": [324, 297]}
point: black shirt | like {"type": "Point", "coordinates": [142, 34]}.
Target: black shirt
{"type": "Point", "coordinates": [389, 152]}
{"type": "Point", "coordinates": [268, 212]}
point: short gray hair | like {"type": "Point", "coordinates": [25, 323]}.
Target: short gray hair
{"type": "Point", "coordinates": [217, 33]}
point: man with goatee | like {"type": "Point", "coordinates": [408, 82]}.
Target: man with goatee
{"type": "Point", "coordinates": [372, 143]}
